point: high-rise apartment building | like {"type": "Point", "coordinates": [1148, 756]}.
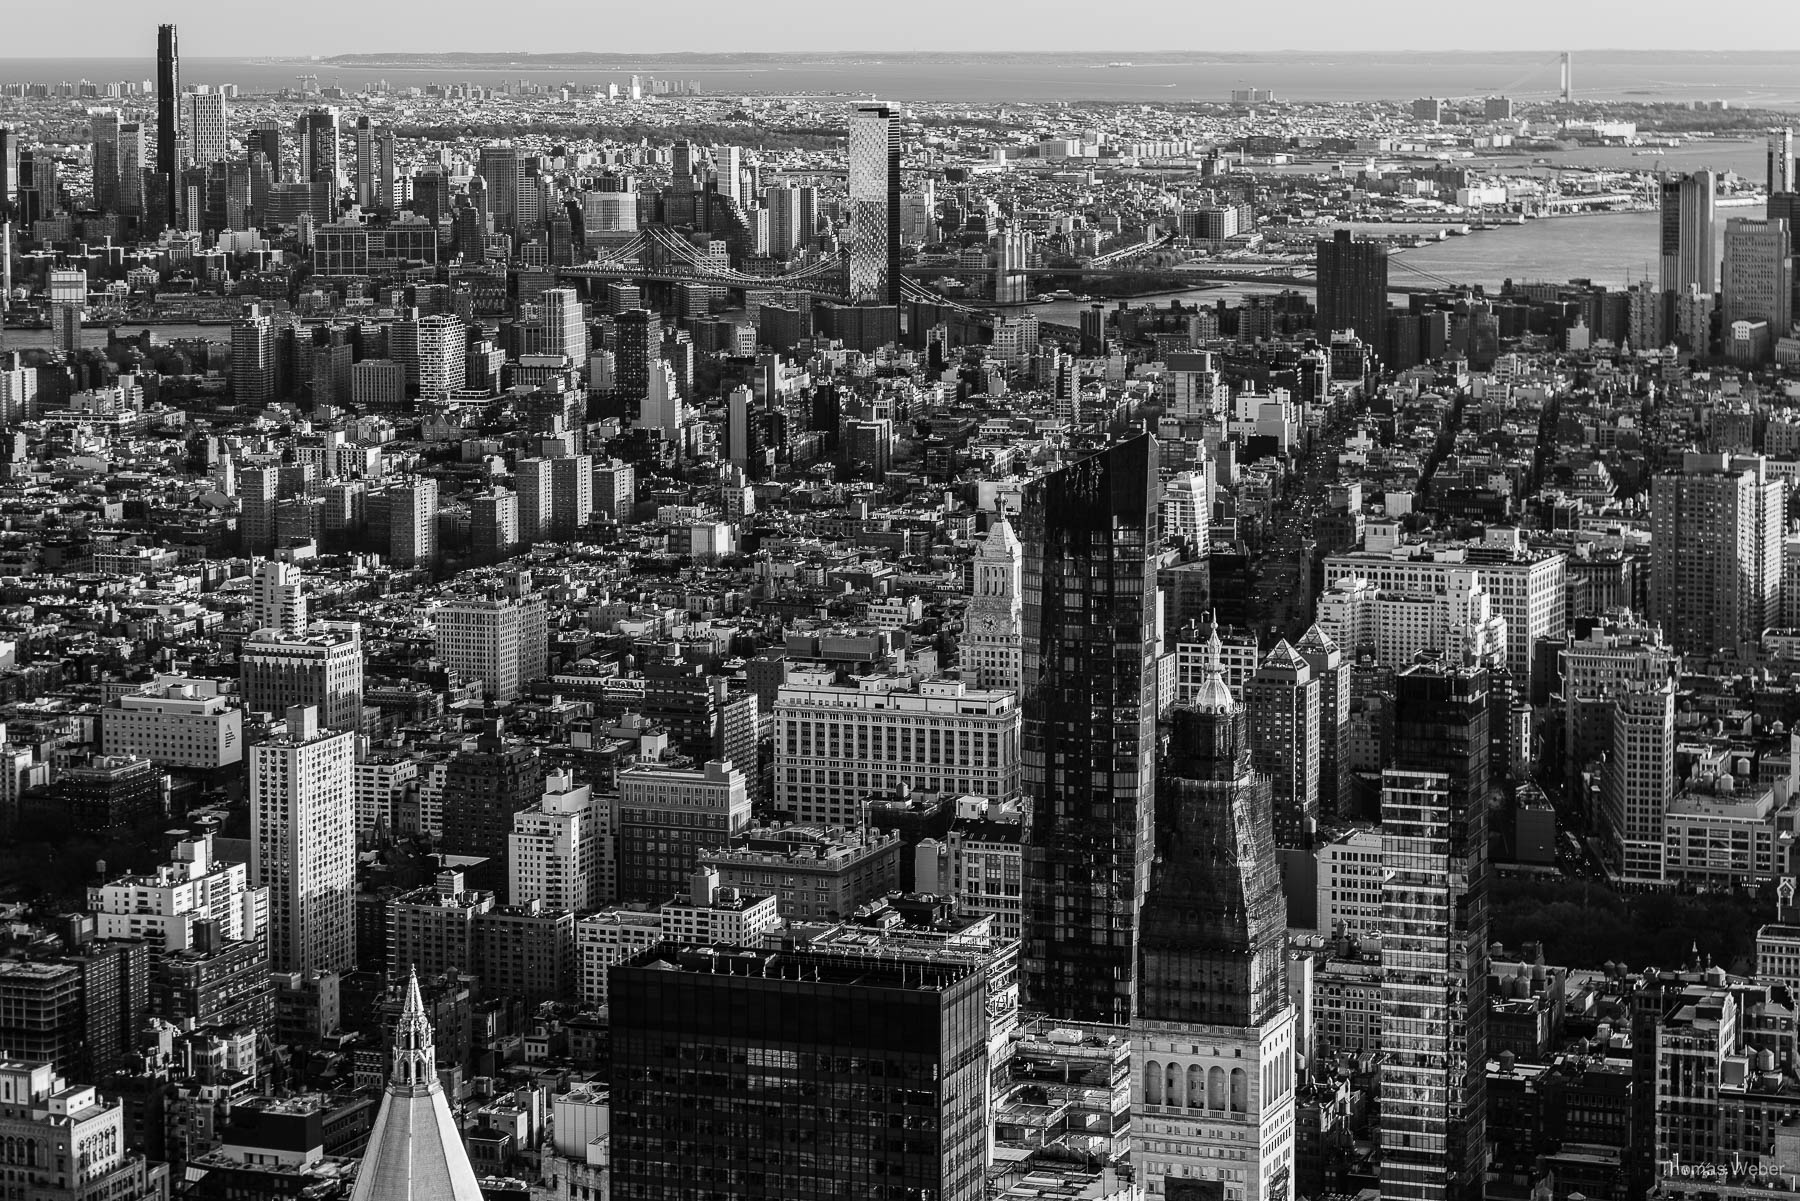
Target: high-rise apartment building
{"type": "Point", "coordinates": [1352, 288]}
{"type": "Point", "coordinates": [501, 167]}
{"type": "Point", "coordinates": [994, 622]}
{"type": "Point", "coordinates": [1689, 255]}
{"type": "Point", "coordinates": [207, 127]}
{"type": "Point", "coordinates": [1282, 700]}
{"type": "Point", "coordinates": [303, 842]}
{"type": "Point", "coordinates": [802, 1028]}
{"type": "Point", "coordinates": [252, 371]}
{"type": "Point", "coordinates": [321, 667]}
{"type": "Point", "coordinates": [483, 789]}
{"type": "Point", "coordinates": [1213, 1038]}
{"type": "Point", "coordinates": [565, 328]}
{"type": "Point", "coordinates": [168, 119]}
{"type": "Point", "coordinates": [278, 598]}
{"type": "Point", "coordinates": [1758, 274]}
{"type": "Point", "coordinates": [1434, 802]}
{"type": "Point", "coordinates": [874, 245]}
{"type": "Point", "coordinates": [1715, 552]}
{"type": "Point", "coordinates": [367, 166]}
{"type": "Point", "coordinates": [499, 638]}
{"type": "Point", "coordinates": [556, 497]}
{"type": "Point", "coordinates": [1332, 672]}
{"type": "Point", "coordinates": [413, 523]}
{"type": "Point", "coordinates": [494, 523]}
{"type": "Point", "coordinates": [1638, 782]}
{"type": "Point", "coordinates": [1090, 703]}
{"type": "Point", "coordinates": [667, 817]}
{"type": "Point", "coordinates": [554, 851]}
{"type": "Point", "coordinates": [442, 355]}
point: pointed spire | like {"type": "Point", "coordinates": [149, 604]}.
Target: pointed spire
{"type": "Point", "coordinates": [415, 1049]}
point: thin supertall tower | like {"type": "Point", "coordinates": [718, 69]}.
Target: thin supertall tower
{"type": "Point", "coordinates": [1568, 77]}
{"type": "Point", "coordinates": [168, 117]}
{"type": "Point", "coordinates": [874, 205]}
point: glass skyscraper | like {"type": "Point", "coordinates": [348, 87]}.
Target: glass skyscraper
{"type": "Point", "coordinates": [1434, 803]}
{"type": "Point", "coordinates": [874, 249]}
{"type": "Point", "coordinates": [799, 1074]}
{"type": "Point", "coordinates": [168, 118]}
{"type": "Point", "coordinates": [1089, 702]}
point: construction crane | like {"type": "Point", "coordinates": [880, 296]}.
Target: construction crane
{"type": "Point", "coordinates": [308, 83]}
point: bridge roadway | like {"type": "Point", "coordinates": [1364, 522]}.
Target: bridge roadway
{"type": "Point", "coordinates": [819, 284]}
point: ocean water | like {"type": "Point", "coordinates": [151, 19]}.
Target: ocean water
{"type": "Point", "coordinates": [1767, 79]}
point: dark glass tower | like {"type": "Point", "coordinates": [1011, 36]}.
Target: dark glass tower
{"type": "Point", "coordinates": [168, 118]}
{"type": "Point", "coordinates": [1213, 933]}
{"type": "Point", "coordinates": [1353, 285]}
{"type": "Point", "coordinates": [1434, 935]}
{"type": "Point", "coordinates": [1089, 688]}
{"type": "Point", "coordinates": [799, 1074]}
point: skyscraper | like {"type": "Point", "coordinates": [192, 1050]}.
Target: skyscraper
{"type": "Point", "coordinates": [556, 497]}
{"type": "Point", "coordinates": [1688, 254]}
{"type": "Point", "coordinates": [321, 149]}
{"type": "Point", "coordinates": [500, 167]}
{"type": "Point", "coordinates": [303, 842]}
{"type": "Point", "coordinates": [1283, 703]}
{"type": "Point", "coordinates": [874, 246]}
{"type": "Point", "coordinates": [565, 329]}
{"type": "Point", "coordinates": [168, 117]}
{"type": "Point", "coordinates": [366, 166]}
{"type": "Point", "coordinates": [1088, 671]}
{"type": "Point", "coordinates": [1213, 1036]}
{"type": "Point", "coordinates": [206, 125]}
{"type": "Point", "coordinates": [1715, 552]}
{"type": "Point", "coordinates": [994, 621]}
{"type": "Point", "coordinates": [1434, 803]}
{"type": "Point", "coordinates": [499, 639]}
{"type": "Point", "coordinates": [802, 1028]}
{"type": "Point", "coordinates": [279, 602]}
{"type": "Point", "coordinates": [1782, 168]}
{"type": "Point", "coordinates": [1352, 290]}
{"type": "Point", "coordinates": [415, 1149]}
{"type": "Point", "coordinates": [320, 668]}
{"type": "Point", "coordinates": [251, 372]}
{"type": "Point", "coordinates": [1758, 273]}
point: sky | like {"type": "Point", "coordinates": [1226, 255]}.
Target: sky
{"type": "Point", "coordinates": [227, 28]}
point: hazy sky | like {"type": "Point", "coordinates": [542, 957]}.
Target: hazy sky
{"type": "Point", "coordinates": [84, 28]}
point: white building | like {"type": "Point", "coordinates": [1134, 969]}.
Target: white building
{"type": "Point", "coordinates": [175, 723]}
{"type": "Point", "coordinates": [381, 784]}
{"type": "Point", "coordinates": [162, 906]}
{"type": "Point", "coordinates": [279, 599]}
{"type": "Point", "coordinates": [708, 914]}
{"type": "Point", "coordinates": [302, 834]}
{"type": "Point", "coordinates": [994, 623]}
{"type": "Point", "coordinates": [1454, 617]}
{"type": "Point", "coordinates": [1526, 589]}
{"type": "Point", "coordinates": [554, 849]}
{"type": "Point", "coordinates": [500, 639]}
{"type": "Point", "coordinates": [1350, 876]}
{"type": "Point", "coordinates": [838, 744]}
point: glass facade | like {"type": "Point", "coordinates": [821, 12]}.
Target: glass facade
{"type": "Point", "coordinates": [798, 1074]}
{"type": "Point", "coordinates": [1089, 677]}
{"type": "Point", "coordinates": [1434, 935]}
{"type": "Point", "coordinates": [874, 249]}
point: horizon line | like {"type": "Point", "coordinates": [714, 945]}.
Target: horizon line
{"type": "Point", "coordinates": [970, 52]}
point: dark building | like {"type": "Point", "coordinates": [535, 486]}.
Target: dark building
{"type": "Point", "coordinates": [526, 951]}
{"type": "Point", "coordinates": [168, 118]}
{"type": "Point", "coordinates": [798, 1074]}
{"type": "Point", "coordinates": [109, 792]}
{"type": "Point", "coordinates": [1353, 287]}
{"type": "Point", "coordinates": [1089, 683]}
{"type": "Point", "coordinates": [215, 982]}
{"type": "Point", "coordinates": [483, 788]}
{"type": "Point", "coordinates": [1213, 930]}
{"type": "Point", "coordinates": [1435, 802]}
{"type": "Point", "coordinates": [637, 348]}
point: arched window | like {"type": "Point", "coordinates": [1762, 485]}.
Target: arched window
{"type": "Point", "coordinates": [1196, 1087]}
{"type": "Point", "coordinates": [1172, 1091]}
{"type": "Point", "coordinates": [1240, 1091]}
{"type": "Point", "coordinates": [1153, 1080]}
{"type": "Point", "coordinates": [1215, 1089]}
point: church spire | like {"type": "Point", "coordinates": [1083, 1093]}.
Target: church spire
{"type": "Point", "coordinates": [415, 1051]}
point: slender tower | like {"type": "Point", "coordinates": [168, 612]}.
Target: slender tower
{"type": "Point", "coordinates": [168, 118]}
{"type": "Point", "coordinates": [1212, 1039]}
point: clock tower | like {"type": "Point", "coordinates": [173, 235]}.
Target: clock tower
{"type": "Point", "coordinates": [993, 624]}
